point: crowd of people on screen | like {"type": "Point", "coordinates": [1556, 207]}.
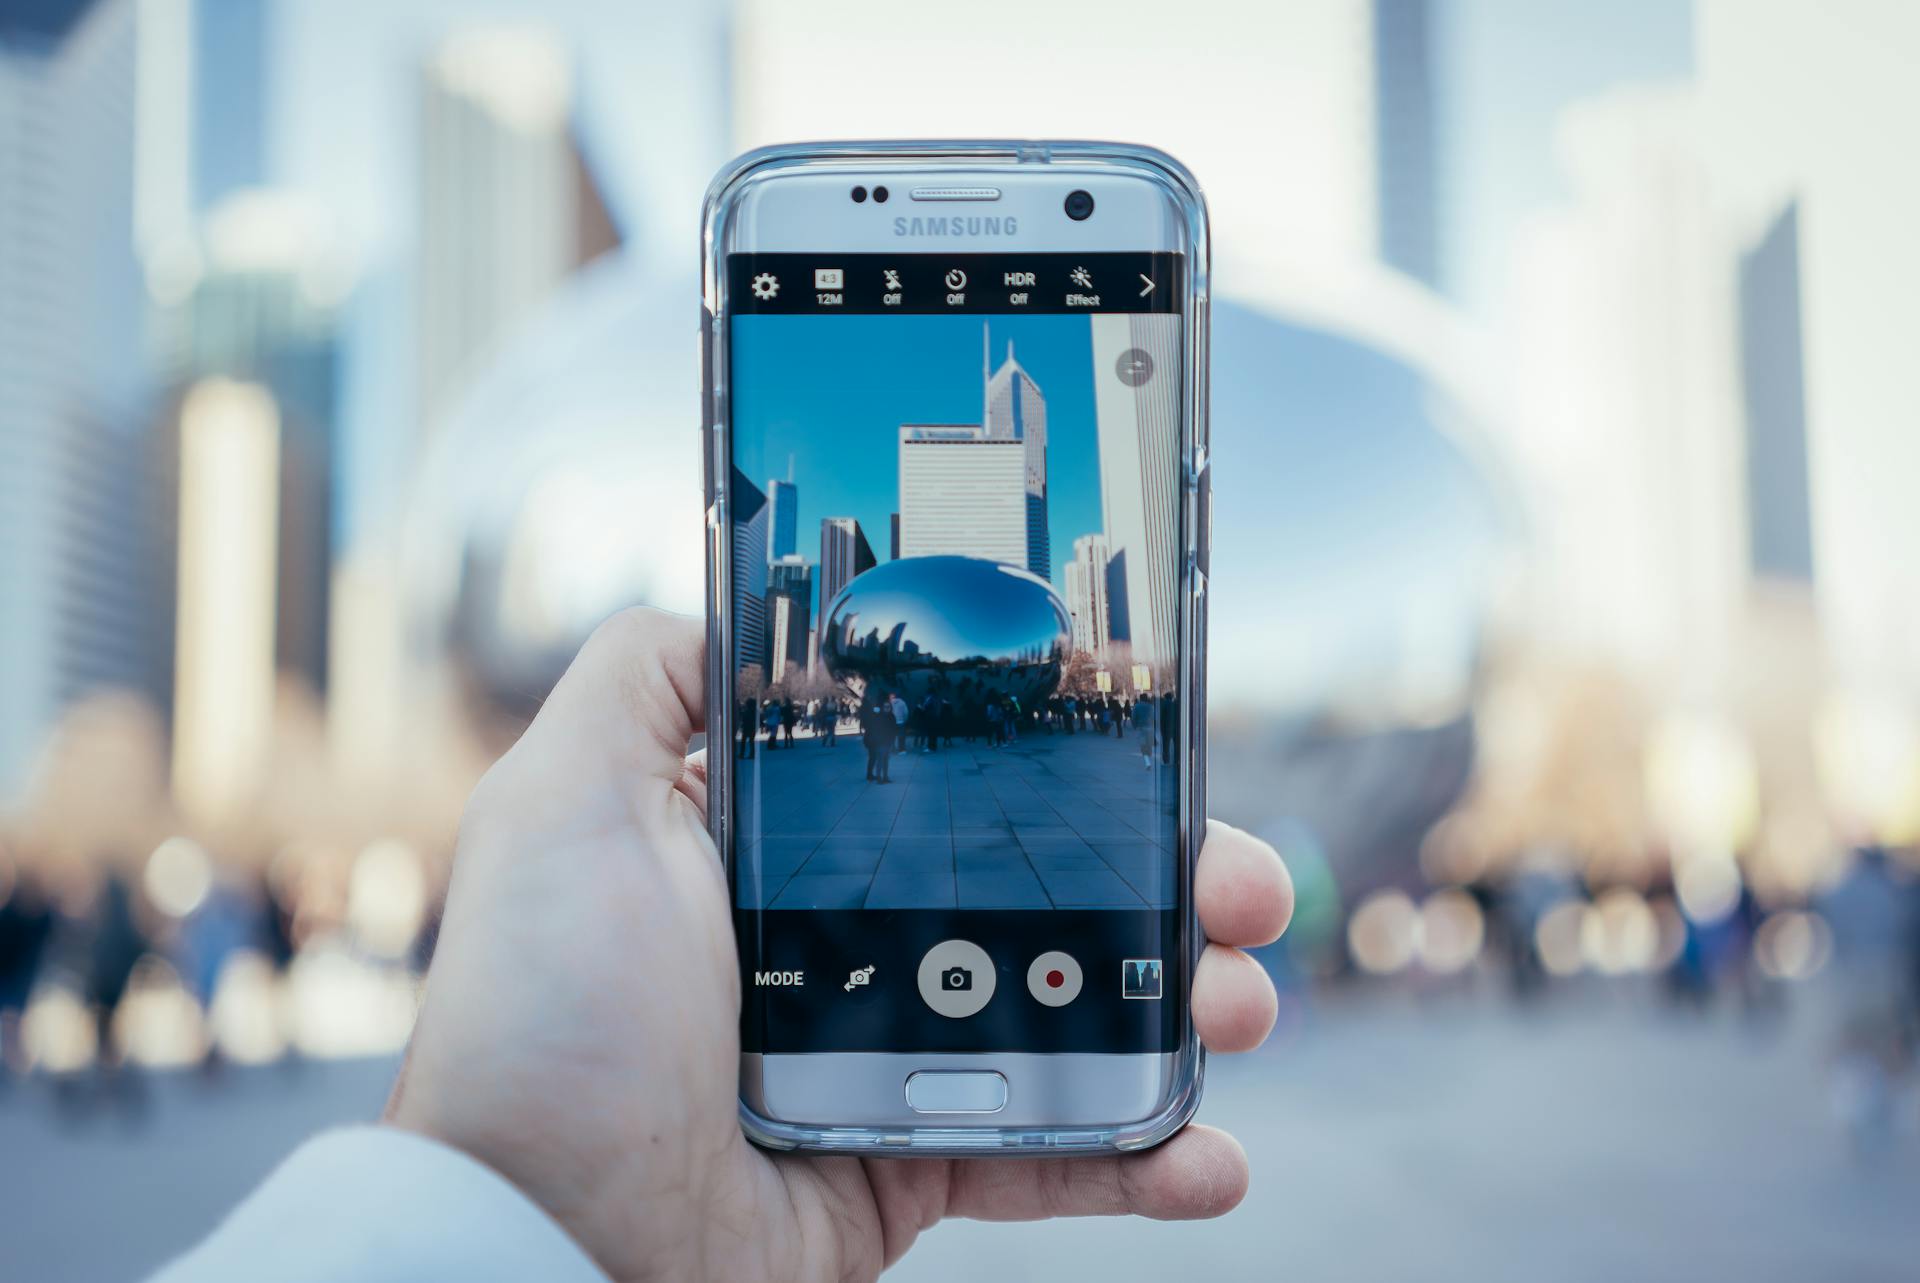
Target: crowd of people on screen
{"type": "Point", "coordinates": [889, 724]}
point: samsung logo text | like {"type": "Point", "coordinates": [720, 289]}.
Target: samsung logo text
{"type": "Point", "coordinates": [964, 225]}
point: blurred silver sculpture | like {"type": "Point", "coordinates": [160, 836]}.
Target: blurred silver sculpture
{"type": "Point", "coordinates": [965, 627]}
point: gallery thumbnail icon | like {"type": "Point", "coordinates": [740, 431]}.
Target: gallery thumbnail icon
{"type": "Point", "coordinates": [1140, 978]}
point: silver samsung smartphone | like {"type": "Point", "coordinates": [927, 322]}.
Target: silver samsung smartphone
{"type": "Point", "coordinates": [956, 469]}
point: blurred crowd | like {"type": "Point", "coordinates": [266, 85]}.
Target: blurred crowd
{"type": "Point", "coordinates": [186, 964]}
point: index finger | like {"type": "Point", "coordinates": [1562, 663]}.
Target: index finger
{"type": "Point", "coordinates": [1240, 888]}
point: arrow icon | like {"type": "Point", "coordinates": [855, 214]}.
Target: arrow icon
{"type": "Point", "coordinates": [1146, 283]}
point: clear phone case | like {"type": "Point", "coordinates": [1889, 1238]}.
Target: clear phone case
{"type": "Point", "coordinates": [906, 158]}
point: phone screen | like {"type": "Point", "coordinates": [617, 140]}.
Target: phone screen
{"type": "Point", "coordinates": [955, 547]}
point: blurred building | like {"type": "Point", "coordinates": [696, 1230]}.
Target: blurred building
{"type": "Point", "coordinates": [263, 308]}
{"type": "Point", "coordinates": [230, 466]}
{"type": "Point", "coordinates": [1405, 128]}
{"type": "Point", "coordinates": [205, 110]}
{"type": "Point", "coordinates": [244, 484]}
{"type": "Point", "coordinates": [1773, 379]}
{"type": "Point", "coordinates": [508, 207]}
{"type": "Point", "coordinates": [231, 109]}
{"type": "Point", "coordinates": [844, 553]}
{"type": "Point", "coordinates": [73, 371]}
{"type": "Point", "coordinates": [1804, 106]}
{"type": "Point", "coordinates": [1629, 428]}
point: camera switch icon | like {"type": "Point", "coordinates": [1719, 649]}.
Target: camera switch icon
{"type": "Point", "coordinates": [956, 978]}
{"type": "Point", "coordinates": [860, 978]}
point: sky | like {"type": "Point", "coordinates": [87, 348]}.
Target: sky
{"type": "Point", "coordinates": [833, 392]}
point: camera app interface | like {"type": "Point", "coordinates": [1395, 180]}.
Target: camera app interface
{"type": "Point", "coordinates": [954, 509]}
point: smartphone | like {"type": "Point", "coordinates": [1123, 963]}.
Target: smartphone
{"type": "Point", "coordinates": [955, 443]}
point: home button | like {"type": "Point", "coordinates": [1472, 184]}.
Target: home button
{"type": "Point", "coordinates": [942, 1091]}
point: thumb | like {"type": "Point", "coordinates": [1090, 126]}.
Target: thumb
{"type": "Point", "coordinates": [633, 696]}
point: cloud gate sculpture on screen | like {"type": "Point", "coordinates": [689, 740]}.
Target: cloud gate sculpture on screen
{"type": "Point", "coordinates": [965, 627]}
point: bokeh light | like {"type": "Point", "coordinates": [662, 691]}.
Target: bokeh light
{"type": "Point", "coordinates": [1708, 887]}
{"type": "Point", "coordinates": [387, 897]}
{"type": "Point", "coordinates": [59, 1031]}
{"type": "Point", "coordinates": [246, 1018]}
{"type": "Point", "coordinates": [1618, 934]}
{"type": "Point", "coordinates": [1450, 931]}
{"type": "Point", "coordinates": [1383, 932]}
{"type": "Point", "coordinates": [179, 875]}
{"type": "Point", "coordinates": [1793, 946]}
{"type": "Point", "coordinates": [1558, 938]}
{"type": "Point", "coordinates": [158, 1024]}
{"type": "Point", "coordinates": [341, 1005]}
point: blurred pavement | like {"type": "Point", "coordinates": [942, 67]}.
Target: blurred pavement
{"type": "Point", "coordinates": [1393, 1138]}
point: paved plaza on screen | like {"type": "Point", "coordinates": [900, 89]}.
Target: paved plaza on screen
{"type": "Point", "coordinates": [1051, 821]}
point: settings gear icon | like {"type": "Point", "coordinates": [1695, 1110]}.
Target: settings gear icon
{"type": "Point", "coordinates": [766, 285]}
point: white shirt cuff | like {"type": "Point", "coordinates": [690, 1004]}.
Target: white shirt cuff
{"type": "Point", "coordinates": [380, 1205]}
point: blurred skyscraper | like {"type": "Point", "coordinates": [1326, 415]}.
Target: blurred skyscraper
{"type": "Point", "coordinates": [1628, 405]}
{"type": "Point", "coordinates": [507, 205]}
{"type": "Point", "coordinates": [230, 516]}
{"type": "Point", "coordinates": [844, 553]}
{"type": "Point", "coordinates": [230, 103]}
{"type": "Point", "coordinates": [264, 310]}
{"type": "Point", "coordinates": [1405, 128]}
{"type": "Point", "coordinates": [73, 547]}
{"type": "Point", "coordinates": [1779, 515]}
{"type": "Point", "coordinates": [1810, 106]}
{"type": "Point", "coordinates": [205, 113]}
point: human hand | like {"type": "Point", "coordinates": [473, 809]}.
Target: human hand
{"type": "Point", "coordinates": [547, 1049]}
